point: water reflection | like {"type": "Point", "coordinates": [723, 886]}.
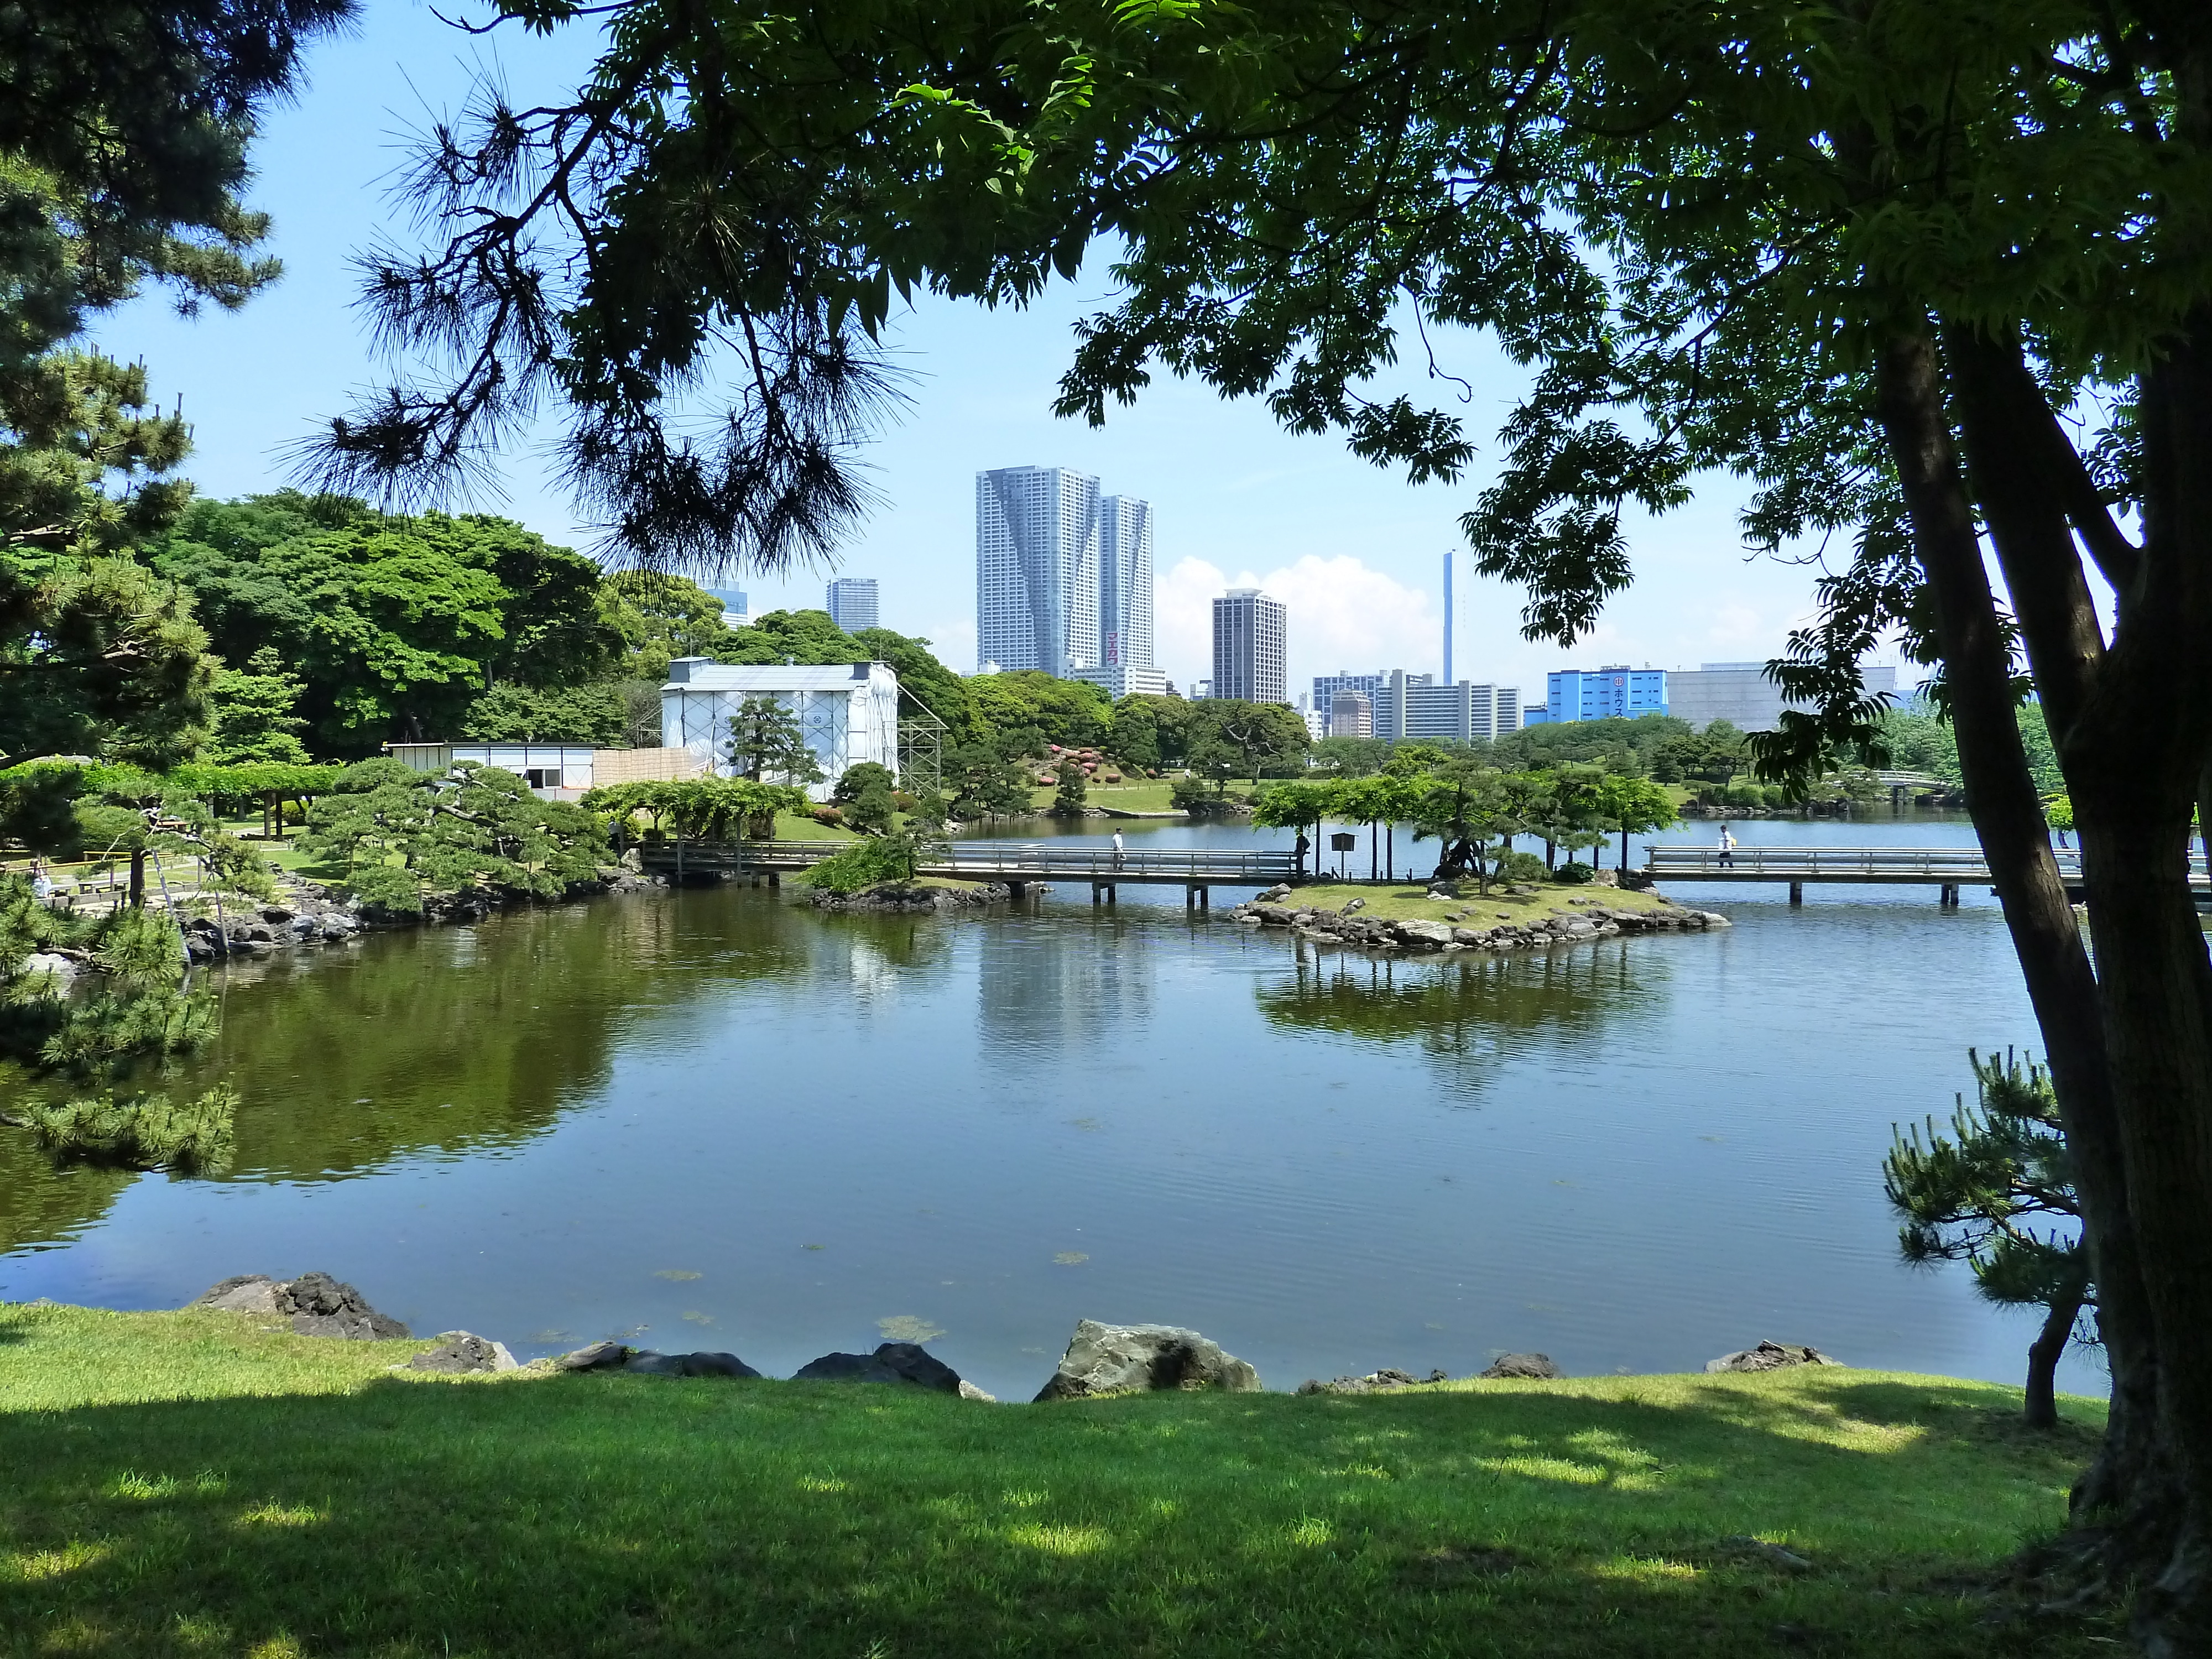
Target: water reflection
{"type": "Point", "coordinates": [1466, 1013]}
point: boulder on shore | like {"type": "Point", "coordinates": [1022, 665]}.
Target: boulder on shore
{"type": "Point", "coordinates": [1380, 1382]}
{"type": "Point", "coordinates": [315, 1303]}
{"type": "Point", "coordinates": [1532, 1367]}
{"type": "Point", "coordinates": [644, 1362]}
{"type": "Point", "coordinates": [891, 1362]}
{"type": "Point", "coordinates": [594, 1357]}
{"type": "Point", "coordinates": [460, 1354]}
{"type": "Point", "coordinates": [1140, 1358]}
{"type": "Point", "coordinates": [1770, 1357]}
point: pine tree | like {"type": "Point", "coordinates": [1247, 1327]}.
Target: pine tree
{"type": "Point", "coordinates": [767, 742]}
{"type": "Point", "coordinates": [1998, 1194]}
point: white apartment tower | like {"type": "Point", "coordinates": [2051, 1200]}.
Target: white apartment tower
{"type": "Point", "coordinates": [1064, 578]}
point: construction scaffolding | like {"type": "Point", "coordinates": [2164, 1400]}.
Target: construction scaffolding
{"type": "Point", "coordinates": [921, 746]}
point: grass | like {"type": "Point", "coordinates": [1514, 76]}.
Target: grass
{"type": "Point", "coordinates": [797, 826]}
{"type": "Point", "coordinates": [1411, 903]}
{"type": "Point", "coordinates": [187, 1483]}
{"type": "Point", "coordinates": [1150, 795]}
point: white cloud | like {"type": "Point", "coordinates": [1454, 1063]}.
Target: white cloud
{"type": "Point", "coordinates": [1342, 614]}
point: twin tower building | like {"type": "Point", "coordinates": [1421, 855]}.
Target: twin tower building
{"type": "Point", "coordinates": [1064, 579]}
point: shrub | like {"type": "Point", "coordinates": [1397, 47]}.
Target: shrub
{"type": "Point", "coordinates": [1744, 794]}
{"type": "Point", "coordinates": [1521, 867]}
{"type": "Point", "coordinates": [1190, 791]}
{"type": "Point", "coordinates": [1574, 873]}
{"type": "Point", "coordinates": [832, 816]}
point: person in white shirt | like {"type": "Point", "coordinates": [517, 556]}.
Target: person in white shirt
{"type": "Point", "coordinates": [1727, 846]}
{"type": "Point", "coordinates": [1117, 849]}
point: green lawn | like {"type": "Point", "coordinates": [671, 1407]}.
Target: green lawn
{"type": "Point", "coordinates": [186, 1484]}
{"type": "Point", "coordinates": [1149, 795]}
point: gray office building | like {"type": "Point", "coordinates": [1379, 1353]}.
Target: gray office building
{"type": "Point", "coordinates": [1351, 715]}
{"type": "Point", "coordinates": [1740, 693]}
{"type": "Point", "coordinates": [1415, 706]}
{"type": "Point", "coordinates": [852, 604]}
{"type": "Point", "coordinates": [1248, 647]}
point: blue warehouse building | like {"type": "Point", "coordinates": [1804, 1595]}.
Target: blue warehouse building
{"type": "Point", "coordinates": [1616, 692]}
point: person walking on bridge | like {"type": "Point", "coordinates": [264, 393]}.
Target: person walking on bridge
{"type": "Point", "coordinates": [1117, 849]}
{"type": "Point", "coordinates": [1727, 846]}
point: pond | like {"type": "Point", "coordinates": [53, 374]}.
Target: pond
{"type": "Point", "coordinates": [718, 1118]}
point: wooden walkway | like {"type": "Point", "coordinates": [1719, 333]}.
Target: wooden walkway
{"type": "Point", "coordinates": [1020, 865]}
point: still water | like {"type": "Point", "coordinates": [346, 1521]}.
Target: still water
{"type": "Point", "coordinates": [716, 1119]}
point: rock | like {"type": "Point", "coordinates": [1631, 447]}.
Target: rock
{"type": "Point", "coordinates": [969, 1391]}
{"type": "Point", "coordinates": [1431, 935]}
{"type": "Point", "coordinates": [594, 1357]}
{"type": "Point", "coordinates": [1770, 1357]}
{"type": "Point", "coordinates": [322, 1306]}
{"type": "Point", "coordinates": [64, 971]}
{"type": "Point", "coordinates": [714, 1365]}
{"type": "Point", "coordinates": [645, 1363]}
{"type": "Point", "coordinates": [303, 927]}
{"type": "Point", "coordinates": [462, 1352]}
{"type": "Point", "coordinates": [1772, 1555]}
{"type": "Point", "coordinates": [1350, 905]}
{"type": "Point", "coordinates": [1273, 916]}
{"type": "Point", "coordinates": [1471, 935]}
{"type": "Point", "coordinates": [1136, 1358]}
{"type": "Point", "coordinates": [274, 913]}
{"type": "Point", "coordinates": [316, 1303]}
{"type": "Point", "coordinates": [891, 1362]}
{"type": "Point", "coordinates": [1535, 1367]}
{"type": "Point", "coordinates": [248, 1293]}
{"type": "Point", "coordinates": [1380, 1382]}
{"type": "Point", "coordinates": [1712, 918]}
{"type": "Point", "coordinates": [1281, 889]}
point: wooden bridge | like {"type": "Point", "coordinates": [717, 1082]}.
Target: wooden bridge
{"type": "Point", "coordinates": [1945, 868]}
{"type": "Point", "coordinates": [1020, 865]}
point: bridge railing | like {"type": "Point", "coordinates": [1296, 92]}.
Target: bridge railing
{"type": "Point", "coordinates": [1041, 860]}
{"type": "Point", "coordinates": [1929, 863]}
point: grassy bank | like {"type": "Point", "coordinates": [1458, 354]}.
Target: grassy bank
{"type": "Point", "coordinates": [1411, 903]}
{"type": "Point", "coordinates": [186, 1483]}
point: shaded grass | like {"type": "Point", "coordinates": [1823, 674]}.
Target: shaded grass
{"type": "Point", "coordinates": [1149, 796]}
{"type": "Point", "coordinates": [188, 1483]}
{"type": "Point", "coordinates": [1402, 902]}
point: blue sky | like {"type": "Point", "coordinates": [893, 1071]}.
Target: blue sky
{"type": "Point", "coordinates": [1354, 552]}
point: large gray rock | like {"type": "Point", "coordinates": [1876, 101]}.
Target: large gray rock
{"type": "Point", "coordinates": [1137, 1358]}
{"type": "Point", "coordinates": [1531, 1367]}
{"type": "Point", "coordinates": [64, 971]}
{"type": "Point", "coordinates": [462, 1352]}
{"type": "Point", "coordinates": [316, 1304]}
{"type": "Point", "coordinates": [1770, 1357]}
{"type": "Point", "coordinates": [1430, 935]}
{"type": "Point", "coordinates": [594, 1357]}
{"type": "Point", "coordinates": [891, 1362]}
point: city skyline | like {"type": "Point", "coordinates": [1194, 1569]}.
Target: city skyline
{"type": "Point", "coordinates": [1064, 579]}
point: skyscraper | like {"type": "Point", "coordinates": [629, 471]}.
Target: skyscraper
{"type": "Point", "coordinates": [1248, 647]}
{"type": "Point", "coordinates": [1064, 578]}
{"type": "Point", "coordinates": [853, 603]}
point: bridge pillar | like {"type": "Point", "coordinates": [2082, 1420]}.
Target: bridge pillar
{"type": "Point", "coordinates": [1102, 892]}
{"type": "Point", "coordinates": [1196, 897]}
{"type": "Point", "coordinates": [1018, 890]}
{"type": "Point", "coordinates": [1949, 899]}
{"type": "Point", "coordinates": [1797, 892]}
{"type": "Point", "coordinates": [776, 878]}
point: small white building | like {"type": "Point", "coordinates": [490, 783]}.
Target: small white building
{"type": "Point", "coordinates": [848, 711]}
{"type": "Point", "coordinates": [553, 771]}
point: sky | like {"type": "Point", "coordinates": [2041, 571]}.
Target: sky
{"type": "Point", "coordinates": [1354, 552]}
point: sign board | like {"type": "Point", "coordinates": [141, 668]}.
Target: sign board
{"type": "Point", "coordinates": [1340, 841]}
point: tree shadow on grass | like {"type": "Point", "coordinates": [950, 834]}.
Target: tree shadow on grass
{"type": "Point", "coordinates": [616, 1515]}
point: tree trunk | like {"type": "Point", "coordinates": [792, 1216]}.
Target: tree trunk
{"type": "Point", "coordinates": [2126, 1489]}
{"type": "Point", "coordinates": [137, 878]}
{"type": "Point", "coordinates": [2041, 1403]}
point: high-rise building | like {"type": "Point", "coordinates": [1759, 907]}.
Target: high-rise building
{"type": "Point", "coordinates": [1615, 692]}
{"type": "Point", "coordinates": [1326, 686]}
{"type": "Point", "coordinates": [1064, 578]}
{"type": "Point", "coordinates": [1248, 647]}
{"type": "Point", "coordinates": [1740, 693]}
{"type": "Point", "coordinates": [736, 611]}
{"type": "Point", "coordinates": [853, 603]}
{"type": "Point", "coordinates": [1124, 599]}
{"type": "Point", "coordinates": [1351, 715]}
